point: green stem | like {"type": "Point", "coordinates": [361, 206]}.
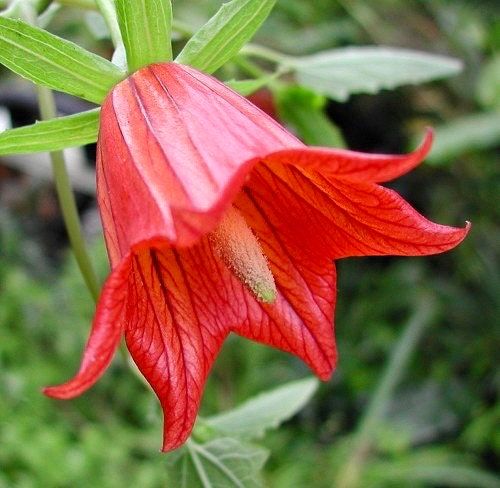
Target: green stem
{"type": "Point", "coordinates": [108, 11]}
{"type": "Point", "coordinates": [249, 67]}
{"type": "Point", "coordinates": [67, 199]}
{"type": "Point", "coordinates": [266, 53]}
{"type": "Point", "coordinates": [350, 474]}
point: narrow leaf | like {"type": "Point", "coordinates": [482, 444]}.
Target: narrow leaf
{"type": "Point", "coordinates": [146, 27]}
{"type": "Point", "coordinates": [223, 462]}
{"type": "Point", "coordinates": [340, 73]}
{"type": "Point", "coordinates": [265, 411]}
{"type": "Point", "coordinates": [51, 135]}
{"type": "Point", "coordinates": [56, 63]}
{"type": "Point", "coordinates": [225, 34]}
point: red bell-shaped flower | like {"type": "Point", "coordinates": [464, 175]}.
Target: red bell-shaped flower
{"type": "Point", "coordinates": [218, 220]}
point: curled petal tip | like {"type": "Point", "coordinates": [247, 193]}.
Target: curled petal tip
{"type": "Point", "coordinates": [58, 392]}
{"type": "Point", "coordinates": [426, 144]}
{"type": "Point", "coordinates": [429, 132]}
{"type": "Point", "coordinates": [466, 229]}
{"type": "Point", "coordinates": [174, 440]}
{"type": "Point", "coordinates": [68, 390]}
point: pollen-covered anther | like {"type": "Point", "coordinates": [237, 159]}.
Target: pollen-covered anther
{"type": "Point", "coordinates": [235, 243]}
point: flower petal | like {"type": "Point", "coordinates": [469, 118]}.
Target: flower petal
{"type": "Point", "coordinates": [161, 145]}
{"type": "Point", "coordinates": [104, 336]}
{"type": "Point", "coordinates": [187, 301]}
{"type": "Point", "coordinates": [171, 336]}
{"type": "Point", "coordinates": [353, 165]}
{"type": "Point", "coordinates": [300, 320]}
{"type": "Point", "coordinates": [340, 218]}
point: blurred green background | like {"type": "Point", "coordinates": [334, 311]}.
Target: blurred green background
{"type": "Point", "coordinates": [440, 425]}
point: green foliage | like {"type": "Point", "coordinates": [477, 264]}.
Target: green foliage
{"type": "Point", "coordinates": [267, 410]}
{"type": "Point", "coordinates": [247, 87]}
{"type": "Point", "coordinates": [53, 62]}
{"type": "Point", "coordinates": [425, 468]}
{"type": "Point", "coordinates": [225, 34]}
{"type": "Point", "coordinates": [219, 453]}
{"type": "Point", "coordinates": [466, 134]}
{"type": "Point", "coordinates": [488, 86]}
{"type": "Point", "coordinates": [342, 72]}
{"type": "Point", "coordinates": [222, 463]}
{"type": "Point", "coordinates": [145, 27]}
{"type": "Point", "coordinates": [51, 135]}
{"type": "Point", "coordinates": [304, 111]}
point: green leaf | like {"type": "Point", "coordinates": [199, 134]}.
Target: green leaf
{"type": "Point", "coordinates": [51, 135]}
{"type": "Point", "coordinates": [56, 63]}
{"type": "Point", "coordinates": [488, 84]}
{"type": "Point", "coordinates": [267, 410]}
{"type": "Point", "coordinates": [146, 27]}
{"type": "Point", "coordinates": [469, 133]}
{"type": "Point", "coordinates": [340, 73]}
{"type": "Point", "coordinates": [304, 111]}
{"type": "Point", "coordinates": [225, 34]}
{"type": "Point", "coordinates": [221, 463]}
{"type": "Point", "coordinates": [247, 87]}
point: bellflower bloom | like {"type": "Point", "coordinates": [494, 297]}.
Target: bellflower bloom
{"type": "Point", "coordinates": [218, 220]}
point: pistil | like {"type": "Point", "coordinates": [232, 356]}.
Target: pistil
{"type": "Point", "coordinates": [241, 252]}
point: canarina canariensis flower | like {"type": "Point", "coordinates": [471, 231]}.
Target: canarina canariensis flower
{"type": "Point", "coordinates": [218, 220]}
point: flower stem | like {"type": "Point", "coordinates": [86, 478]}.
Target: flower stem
{"type": "Point", "coordinates": [108, 11]}
{"type": "Point", "coordinates": [266, 53]}
{"type": "Point", "coordinates": [67, 199]}
{"type": "Point", "coordinates": [349, 475]}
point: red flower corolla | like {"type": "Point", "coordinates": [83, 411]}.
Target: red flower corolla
{"type": "Point", "coordinates": [218, 220]}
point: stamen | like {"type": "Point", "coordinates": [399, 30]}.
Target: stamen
{"type": "Point", "coordinates": [241, 252]}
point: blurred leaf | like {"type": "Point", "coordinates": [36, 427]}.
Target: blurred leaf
{"type": "Point", "coordinates": [340, 73]}
{"type": "Point", "coordinates": [247, 87]}
{"type": "Point", "coordinates": [146, 27]}
{"type": "Point", "coordinates": [56, 63]}
{"type": "Point", "coordinates": [429, 467]}
{"type": "Point", "coordinates": [267, 410]}
{"type": "Point", "coordinates": [488, 87]}
{"type": "Point", "coordinates": [469, 133]}
{"type": "Point", "coordinates": [52, 135]}
{"type": "Point", "coordinates": [19, 8]}
{"type": "Point", "coordinates": [482, 432]}
{"type": "Point", "coordinates": [423, 412]}
{"type": "Point", "coordinates": [304, 111]}
{"type": "Point", "coordinates": [225, 34]}
{"type": "Point", "coordinates": [96, 25]}
{"type": "Point", "coordinates": [444, 475]}
{"type": "Point", "coordinates": [221, 463]}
